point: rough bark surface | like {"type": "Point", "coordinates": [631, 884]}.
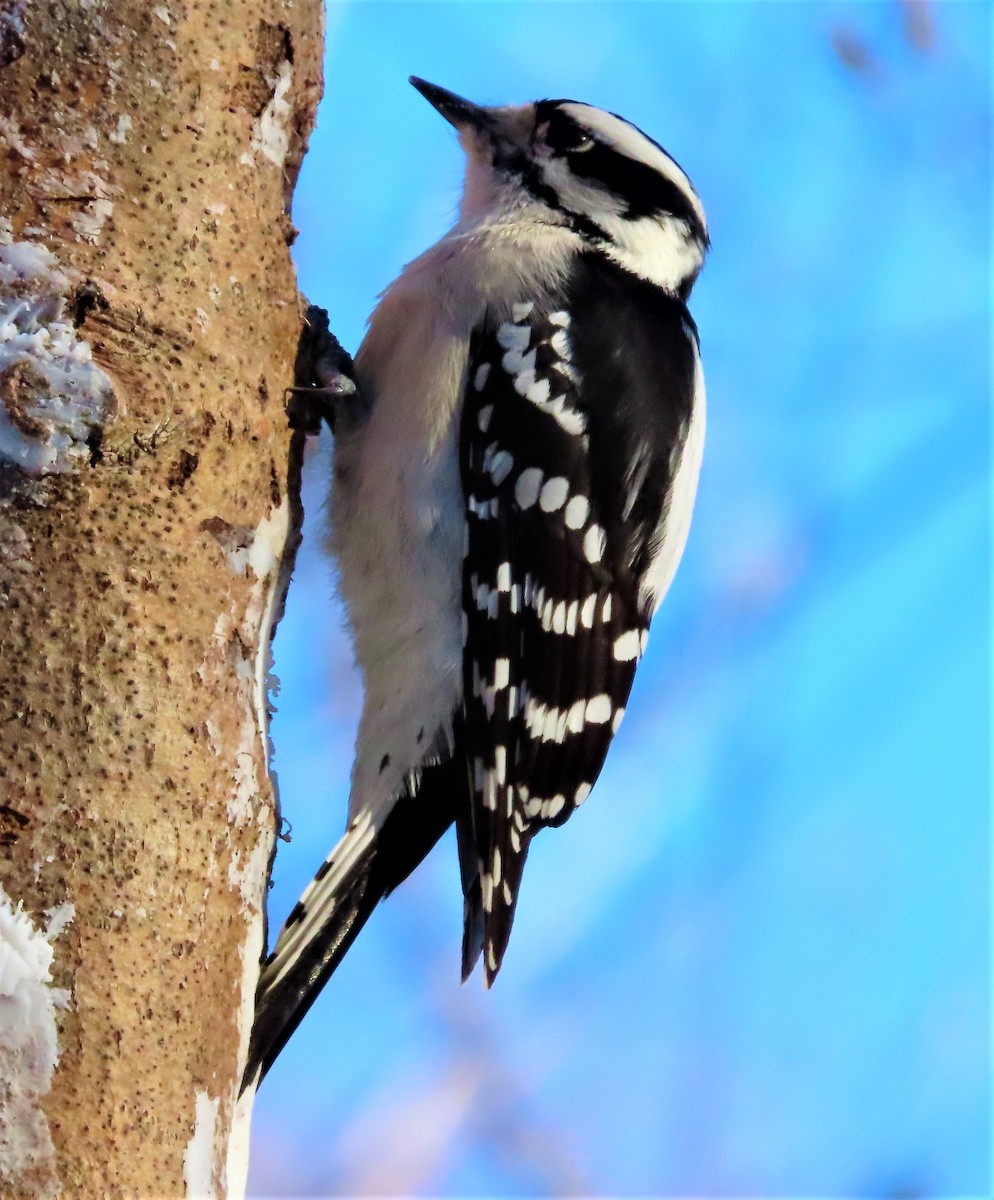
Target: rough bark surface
{"type": "Point", "coordinates": [147, 155]}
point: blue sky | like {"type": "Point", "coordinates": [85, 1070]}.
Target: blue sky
{"type": "Point", "coordinates": [756, 962]}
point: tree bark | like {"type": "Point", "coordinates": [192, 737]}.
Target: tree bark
{"type": "Point", "coordinates": [148, 322]}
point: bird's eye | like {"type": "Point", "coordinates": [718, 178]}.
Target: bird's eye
{"type": "Point", "coordinates": [561, 134]}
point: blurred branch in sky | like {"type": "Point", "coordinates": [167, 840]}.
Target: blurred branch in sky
{"type": "Point", "coordinates": [919, 23]}
{"type": "Point", "coordinates": [853, 51]}
{"type": "Point", "coordinates": [853, 48]}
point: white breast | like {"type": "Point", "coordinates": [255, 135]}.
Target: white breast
{"type": "Point", "coordinates": [397, 512]}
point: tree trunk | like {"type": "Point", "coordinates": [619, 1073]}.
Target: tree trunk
{"type": "Point", "coordinates": [148, 322]}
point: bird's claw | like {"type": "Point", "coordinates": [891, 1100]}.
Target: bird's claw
{"type": "Point", "coordinates": [323, 384]}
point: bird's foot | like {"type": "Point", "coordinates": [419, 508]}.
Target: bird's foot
{"type": "Point", "coordinates": [324, 386]}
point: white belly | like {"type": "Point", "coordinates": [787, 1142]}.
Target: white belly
{"type": "Point", "coordinates": [398, 531]}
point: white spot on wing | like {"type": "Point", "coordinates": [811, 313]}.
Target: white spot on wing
{"type": "Point", "coordinates": [550, 726]}
{"type": "Point", "coordinates": [480, 382]}
{"type": "Point", "coordinates": [479, 508]}
{"type": "Point", "coordinates": [569, 419]}
{"type": "Point", "coordinates": [599, 709]}
{"type": "Point", "coordinates": [576, 512]}
{"type": "Point", "coordinates": [553, 807]}
{"type": "Point", "coordinates": [627, 646]}
{"type": "Point", "coordinates": [526, 488]}
{"type": "Point", "coordinates": [517, 363]}
{"type": "Point", "coordinates": [525, 376]}
{"type": "Point", "coordinates": [501, 466]}
{"type": "Point", "coordinates": [554, 493]}
{"type": "Point", "coordinates": [534, 714]}
{"type": "Point", "coordinates": [514, 337]}
{"type": "Point", "coordinates": [560, 343]}
{"type": "Point", "coordinates": [574, 718]}
{"type": "Point", "coordinates": [571, 615]}
{"type": "Point", "coordinates": [537, 391]}
{"type": "Point", "coordinates": [594, 544]}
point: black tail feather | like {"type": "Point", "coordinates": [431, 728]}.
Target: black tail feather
{"type": "Point", "coordinates": [413, 826]}
{"type": "Point", "coordinates": [281, 1007]}
{"type": "Point", "coordinates": [469, 867]}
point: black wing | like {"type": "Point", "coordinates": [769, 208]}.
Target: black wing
{"type": "Point", "coordinates": [574, 418]}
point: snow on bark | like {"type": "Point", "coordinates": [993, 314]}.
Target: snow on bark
{"type": "Point", "coordinates": [28, 1044]}
{"type": "Point", "coordinates": [271, 135]}
{"type": "Point", "coordinates": [237, 1164]}
{"type": "Point", "coordinates": [256, 556]}
{"type": "Point", "coordinates": [200, 1158]}
{"type": "Point", "coordinates": [54, 400]}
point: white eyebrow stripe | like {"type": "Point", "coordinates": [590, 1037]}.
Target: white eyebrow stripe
{"type": "Point", "coordinates": [626, 139]}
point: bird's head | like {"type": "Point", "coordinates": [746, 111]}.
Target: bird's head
{"type": "Point", "coordinates": [584, 168]}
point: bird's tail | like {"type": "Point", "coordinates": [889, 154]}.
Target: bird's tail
{"type": "Point", "coordinates": [366, 865]}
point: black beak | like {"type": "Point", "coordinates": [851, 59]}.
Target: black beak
{"type": "Point", "coordinates": [458, 112]}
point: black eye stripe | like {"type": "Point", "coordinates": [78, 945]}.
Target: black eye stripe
{"type": "Point", "coordinates": [641, 189]}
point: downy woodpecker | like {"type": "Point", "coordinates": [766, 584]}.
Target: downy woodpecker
{"type": "Point", "coordinates": [511, 494]}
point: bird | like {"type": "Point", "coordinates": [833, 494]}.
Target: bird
{"type": "Point", "coordinates": [513, 478]}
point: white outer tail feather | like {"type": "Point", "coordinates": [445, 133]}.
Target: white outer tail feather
{"type": "Point", "coordinates": [319, 899]}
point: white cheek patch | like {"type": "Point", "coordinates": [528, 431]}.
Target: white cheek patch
{"type": "Point", "coordinates": [659, 249]}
